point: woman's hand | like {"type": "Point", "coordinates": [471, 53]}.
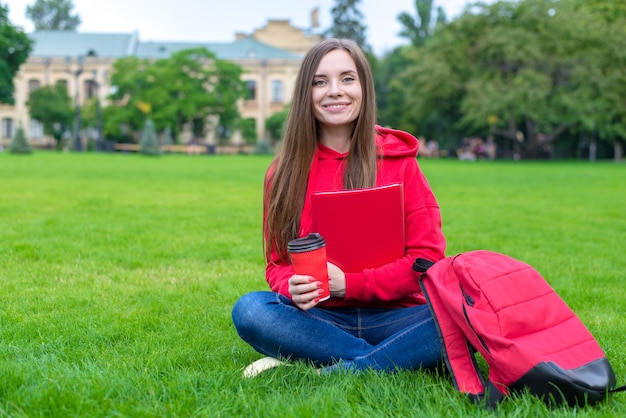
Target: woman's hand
{"type": "Point", "coordinates": [305, 291]}
{"type": "Point", "coordinates": [337, 281]}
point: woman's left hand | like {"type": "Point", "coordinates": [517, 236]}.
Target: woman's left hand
{"type": "Point", "coordinates": [336, 281]}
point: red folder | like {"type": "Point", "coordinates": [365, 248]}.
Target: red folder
{"type": "Point", "coordinates": [363, 228]}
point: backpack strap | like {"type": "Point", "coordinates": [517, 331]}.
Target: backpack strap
{"type": "Point", "coordinates": [490, 398]}
{"type": "Point", "coordinates": [421, 265]}
{"type": "Point", "coordinates": [458, 353]}
{"type": "Point", "coordinates": [619, 389]}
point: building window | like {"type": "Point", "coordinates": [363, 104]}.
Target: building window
{"type": "Point", "coordinates": [33, 85]}
{"type": "Point", "coordinates": [90, 89]}
{"type": "Point", "coordinates": [251, 85]}
{"type": "Point", "coordinates": [35, 129]}
{"type": "Point", "coordinates": [7, 128]}
{"type": "Point", "coordinates": [277, 91]}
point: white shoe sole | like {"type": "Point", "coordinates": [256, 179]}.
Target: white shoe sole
{"type": "Point", "coordinates": [262, 365]}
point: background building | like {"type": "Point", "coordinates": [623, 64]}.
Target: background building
{"type": "Point", "coordinates": [270, 58]}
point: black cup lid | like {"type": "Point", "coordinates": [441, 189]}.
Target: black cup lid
{"type": "Point", "coordinates": [311, 242]}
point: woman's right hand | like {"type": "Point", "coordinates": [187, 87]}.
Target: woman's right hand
{"type": "Point", "coordinates": [305, 291]}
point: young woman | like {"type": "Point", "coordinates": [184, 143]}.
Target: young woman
{"type": "Point", "coordinates": [376, 318]}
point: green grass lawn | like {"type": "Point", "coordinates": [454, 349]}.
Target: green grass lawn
{"type": "Point", "coordinates": [119, 271]}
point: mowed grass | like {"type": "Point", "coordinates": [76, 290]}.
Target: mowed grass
{"type": "Point", "coordinates": [118, 274]}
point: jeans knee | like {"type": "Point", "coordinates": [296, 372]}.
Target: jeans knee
{"type": "Point", "coordinates": [249, 309]}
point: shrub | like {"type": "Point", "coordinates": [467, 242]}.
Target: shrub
{"type": "Point", "coordinates": [167, 138]}
{"type": "Point", "coordinates": [19, 143]}
{"type": "Point", "coordinates": [148, 144]}
{"type": "Point", "coordinates": [263, 147]}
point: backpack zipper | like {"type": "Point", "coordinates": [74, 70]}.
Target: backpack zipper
{"type": "Point", "coordinates": [468, 299]}
{"type": "Point", "coordinates": [470, 302]}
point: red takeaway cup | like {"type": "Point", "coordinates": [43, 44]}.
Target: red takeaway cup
{"type": "Point", "coordinates": [308, 256]}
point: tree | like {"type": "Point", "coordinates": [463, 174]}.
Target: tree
{"type": "Point", "coordinates": [248, 130]}
{"type": "Point", "coordinates": [52, 106]}
{"type": "Point", "coordinates": [188, 87]}
{"type": "Point", "coordinates": [422, 28]}
{"type": "Point", "coordinates": [527, 71]}
{"type": "Point", "coordinates": [15, 46]}
{"type": "Point", "coordinates": [395, 89]}
{"type": "Point", "coordinates": [390, 93]}
{"type": "Point", "coordinates": [609, 123]}
{"type": "Point", "coordinates": [614, 10]}
{"type": "Point", "coordinates": [129, 79]}
{"type": "Point", "coordinates": [347, 24]}
{"type": "Point", "coordinates": [275, 125]}
{"type": "Point", "coordinates": [53, 15]}
{"type": "Point", "coordinates": [19, 143]}
{"type": "Point", "coordinates": [227, 91]}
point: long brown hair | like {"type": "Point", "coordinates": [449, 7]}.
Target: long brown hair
{"type": "Point", "coordinates": [287, 177]}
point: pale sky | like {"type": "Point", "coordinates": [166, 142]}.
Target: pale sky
{"type": "Point", "coordinates": [219, 20]}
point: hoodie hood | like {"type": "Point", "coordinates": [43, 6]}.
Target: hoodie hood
{"type": "Point", "coordinates": [396, 143]}
{"type": "Point", "coordinates": [390, 143]}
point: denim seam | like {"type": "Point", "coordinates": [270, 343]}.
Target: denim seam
{"type": "Point", "coordinates": [387, 323]}
{"type": "Point", "coordinates": [394, 339]}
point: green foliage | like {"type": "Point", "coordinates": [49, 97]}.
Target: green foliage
{"type": "Point", "coordinates": [128, 79]}
{"type": "Point", "coordinates": [418, 30]}
{"type": "Point", "coordinates": [53, 15]}
{"type": "Point", "coordinates": [390, 95]}
{"type": "Point", "coordinates": [227, 93]}
{"type": "Point", "coordinates": [392, 92]}
{"type": "Point", "coordinates": [19, 142]}
{"type": "Point", "coordinates": [275, 124]}
{"type": "Point", "coordinates": [53, 107]}
{"type": "Point", "coordinates": [347, 22]}
{"type": "Point", "coordinates": [248, 130]}
{"type": "Point", "coordinates": [109, 312]}
{"type": "Point", "coordinates": [613, 10]}
{"type": "Point", "coordinates": [188, 87]}
{"type": "Point", "coordinates": [15, 46]}
{"type": "Point", "coordinates": [149, 144]}
{"type": "Point", "coordinates": [89, 112]}
{"type": "Point", "coordinates": [526, 71]}
{"type": "Point", "coordinates": [607, 116]}
{"type": "Point", "coordinates": [395, 101]}
{"type": "Point", "coordinates": [117, 125]}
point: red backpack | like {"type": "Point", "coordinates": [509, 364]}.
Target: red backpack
{"type": "Point", "coordinates": [503, 308]}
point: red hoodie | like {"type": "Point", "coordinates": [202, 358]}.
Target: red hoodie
{"type": "Point", "coordinates": [395, 284]}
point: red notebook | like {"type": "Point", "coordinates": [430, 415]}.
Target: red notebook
{"type": "Point", "coordinates": [363, 228]}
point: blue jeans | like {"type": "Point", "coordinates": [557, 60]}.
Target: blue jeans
{"type": "Point", "coordinates": [358, 338]}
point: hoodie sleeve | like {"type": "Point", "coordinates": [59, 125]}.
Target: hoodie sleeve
{"type": "Point", "coordinates": [424, 238]}
{"type": "Point", "coordinates": [277, 274]}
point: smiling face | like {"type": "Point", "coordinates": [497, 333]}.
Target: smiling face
{"type": "Point", "coordinates": [336, 91]}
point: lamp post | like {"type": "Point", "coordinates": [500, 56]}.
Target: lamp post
{"type": "Point", "coordinates": [99, 138]}
{"type": "Point", "coordinates": [78, 143]}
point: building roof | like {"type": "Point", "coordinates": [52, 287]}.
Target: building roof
{"type": "Point", "coordinates": [119, 45]}
{"type": "Point", "coordinates": [74, 44]}
{"type": "Point", "coordinates": [239, 49]}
